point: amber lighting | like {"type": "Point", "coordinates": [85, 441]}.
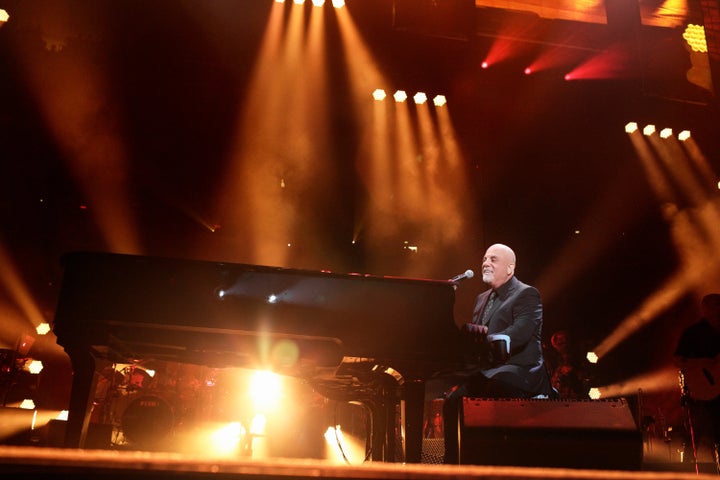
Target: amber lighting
{"type": "Point", "coordinates": [661, 380]}
{"type": "Point", "coordinates": [694, 35]}
{"type": "Point", "coordinates": [678, 173]}
{"type": "Point", "coordinates": [4, 17]}
{"type": "Point", "coordinates": [412, 168]}
{"type": "Point", "coordinates": [316, 3]}
{"type": "Point", "coordinates": [69, 100]}
{"type": "Point", "coordinates": [420, 98]}
{"type": "Point", "coordinates": [12, 281]}
{"type": "Point", "coordinates": [343, 448]}
{"type": "Point", "coordinates": [272, 158]}
{"type": "Point", "coordinates": [400, 96]}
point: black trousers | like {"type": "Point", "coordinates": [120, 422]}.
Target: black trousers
{"type": "Point", "coordinates": [477, 386]}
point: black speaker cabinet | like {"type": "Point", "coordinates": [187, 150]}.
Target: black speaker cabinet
{"type": "Point", "coordinates": [595, 434]}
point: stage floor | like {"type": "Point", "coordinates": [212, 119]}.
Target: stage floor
{"type": "Point", "coordinates": [44, 462]}
{"type": "Point", "coordinates": [37, 454]}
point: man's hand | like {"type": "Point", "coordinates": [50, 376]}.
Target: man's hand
{"type": "Point", "coordinates": [475, 330]}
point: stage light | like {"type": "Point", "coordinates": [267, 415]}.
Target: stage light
{"type": "Point", "coordinates": [265, 390]}
{"type": "Point", "coordinates": [420, 98]}
{"type": "Point", "coordinates": [439, 100]}
{"type": "Point", "coordinates": [528, 71]}
{"type": "Point", "coordinates": [43, 328]}
{"type": "Point", "coordinates": [648, 130]}
{"type": "Point", "coordinates": [484, 65]}
{"type": "Point", "coordinates": [27, 404]}
{"type": "Point", "coordinates": [694, 35]}
{"type": "Point", "coordinates": [227, 438]}
{"type": "Point", "coordinates": [34, 367]}
{"type": "Point", "coordinates": [379, 94]}
{"type": "Point", "coordinates": [338, 3]}
{"type": "Point", "coordinates": [257, 425]}
{"type": "Point", "coordinates": [299, 2]}
{"type": "Point", "coordinates": [400, 96]}
{"type": "Point", "coordinates": [335, 442]}
{"type": "Point", "coordinates": [410, 248]}
{"type": "Point", "coordinates": [684, 135]}
{"type": "Point", "coordinates": [592, 357]}
{"type": "Point", "coordinates": [4, 17]}
{"type": "Point", "coordinates": [666, 132]}
{"type": "Point", "coordinates": [631, 127]}
{"type": "Point", "coordinates": [318, 3]}
{"type": "Point", "coordinates": [594, 394]}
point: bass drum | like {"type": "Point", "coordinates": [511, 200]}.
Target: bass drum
{"type": "Point", "coordinates": [147, 421]}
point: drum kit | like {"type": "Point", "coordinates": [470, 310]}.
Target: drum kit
{"type": "Point", "coordinates": [144, 404]}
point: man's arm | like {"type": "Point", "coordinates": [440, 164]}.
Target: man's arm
{"type": "Point", "coordinates": [527, 317]}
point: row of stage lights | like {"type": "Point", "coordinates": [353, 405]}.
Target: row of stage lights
{"type": "Point", "coordinates": [401, 96]}
{"type": "Point", "coordinates": [650, 129]}
{"type": "Point", "coordinates": [315, 3]}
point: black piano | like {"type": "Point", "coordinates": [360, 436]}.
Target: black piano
{"type": "Point", "coordinates": [355, 337]}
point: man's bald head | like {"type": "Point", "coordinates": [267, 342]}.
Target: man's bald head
{"type": "Point", "coordinates": [498, 265]}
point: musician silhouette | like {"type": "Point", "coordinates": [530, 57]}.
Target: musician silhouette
{"type": "Point", "coordinates": [568, 367]}
{"type": "Point", "coordinates": [698, 356]}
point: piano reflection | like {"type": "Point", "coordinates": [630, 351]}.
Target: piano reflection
{"type": "Point", "coordinates": [361, 338]}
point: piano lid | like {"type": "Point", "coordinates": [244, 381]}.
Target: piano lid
{"type": "Point", "coordinates": [107, 295]}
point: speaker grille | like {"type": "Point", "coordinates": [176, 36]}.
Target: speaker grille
{"type": "Point", "coordinates": [551, 433]}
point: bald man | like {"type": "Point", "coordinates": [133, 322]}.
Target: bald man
{"type": "Point", "coordinates": [509, 313]}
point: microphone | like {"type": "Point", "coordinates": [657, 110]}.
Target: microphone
{"type": "Point", "coordinates": [467, 274]}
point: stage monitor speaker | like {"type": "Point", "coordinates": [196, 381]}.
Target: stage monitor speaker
{"type": "Point", "coordinates": [550, 433]}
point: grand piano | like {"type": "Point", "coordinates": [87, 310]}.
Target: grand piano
{"type": "Point", "coordinates": [364, 338]}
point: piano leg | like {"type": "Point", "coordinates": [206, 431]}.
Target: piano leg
{"type": "Point", "coordinates": [385, 420]}
{"type": "Point", "coordinates": [382, 439]}
{"type": "Point", "coordinates": [412, 409]}
{"type": "Point", "coordinates": [81, 396]}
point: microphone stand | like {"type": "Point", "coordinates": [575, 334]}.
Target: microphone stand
{"type": "Point", "coordinates": [686, 401]}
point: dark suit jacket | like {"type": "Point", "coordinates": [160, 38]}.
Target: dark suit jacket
{"type": "Point", "coordinates": [517, 312]}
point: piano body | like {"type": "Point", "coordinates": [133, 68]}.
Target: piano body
{"type": "Point", "coordinates": [363, 338]}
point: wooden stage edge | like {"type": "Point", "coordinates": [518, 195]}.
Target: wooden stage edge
{"type": "Point", "coordinates": [37, 462]}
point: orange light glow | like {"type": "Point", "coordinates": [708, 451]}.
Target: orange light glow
{"type": "Point", "coordinates": [673, 176]}
{"type": "Point", "coordinates": [665, 379]}
{"type": "Point", "coordinates": [400, 96]}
